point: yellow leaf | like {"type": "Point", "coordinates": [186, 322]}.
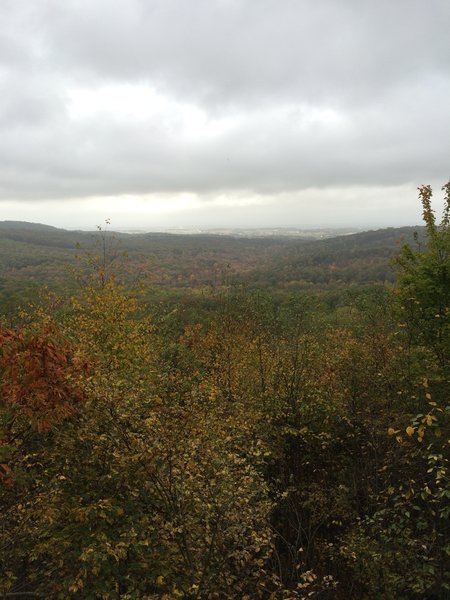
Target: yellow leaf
{"type": "Point", "coordinates": [410, 430]}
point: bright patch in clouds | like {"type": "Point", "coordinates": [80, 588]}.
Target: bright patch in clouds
{"type": "Point", "coordinates": [134, 104]}
{"type": "Point", "coordinates": [148, 206]}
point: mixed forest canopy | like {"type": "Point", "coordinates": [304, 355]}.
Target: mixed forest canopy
{"type": "Point", "coordinates": [208, 417]}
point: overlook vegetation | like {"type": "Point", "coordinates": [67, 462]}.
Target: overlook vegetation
{"type": "Point", "coordinates": [277, 428]}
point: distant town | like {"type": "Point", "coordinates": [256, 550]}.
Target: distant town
{"type": "Point", "coordinates": [319, 233]}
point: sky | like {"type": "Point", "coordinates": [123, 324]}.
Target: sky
{"type": "Point", "coordinates": [223, 113]}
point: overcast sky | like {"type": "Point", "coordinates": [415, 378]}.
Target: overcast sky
{"type": "Point", "coordinates": [169, 113]}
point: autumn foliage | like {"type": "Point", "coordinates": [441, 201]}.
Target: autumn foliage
{"type": "Point", "coordinates": [39, 376]}
{"type": "Point", "coordinates": [260, 446]}
{"type": "Point", "coordinates": [39, 386]}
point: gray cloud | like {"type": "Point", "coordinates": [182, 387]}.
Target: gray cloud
{"type": "Point", "coordinates": [230, 51]}
{"type": "Point", "coordinates": [266, 97]}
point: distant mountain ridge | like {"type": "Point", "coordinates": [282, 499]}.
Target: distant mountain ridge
{"type": "Point", "coordinates": [41, 253]}
{"type": "Point", "coordinates": [28, 225]}
{"type": "Point", "coordinates": [307, 234]}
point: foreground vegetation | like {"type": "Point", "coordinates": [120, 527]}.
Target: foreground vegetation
{"type": "Point", "coordinates": [249, 445]}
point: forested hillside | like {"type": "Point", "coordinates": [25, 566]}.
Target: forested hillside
{"type": "Point", "coordinates": [278, 428]}
{"type": "Point", "coordinates": [33, 255]}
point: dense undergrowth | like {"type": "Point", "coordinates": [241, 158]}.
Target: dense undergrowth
{"type": "Point", "coordinates": [249, 446]}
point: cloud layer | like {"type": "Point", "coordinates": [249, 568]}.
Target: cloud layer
{"type": "Point", "coordinates": [221, 98]}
